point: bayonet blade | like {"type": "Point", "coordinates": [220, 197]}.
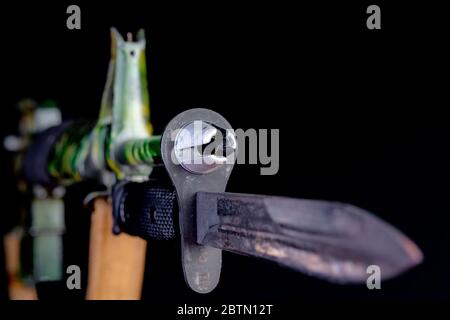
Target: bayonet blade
{"type": "Point", "coordinates": [330, 240]}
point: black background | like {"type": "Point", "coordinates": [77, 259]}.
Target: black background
{"type": "Point", "coordinates": [361, 113]}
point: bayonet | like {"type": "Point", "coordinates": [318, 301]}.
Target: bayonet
{"type": "Point", "coordinates": [330, 240]}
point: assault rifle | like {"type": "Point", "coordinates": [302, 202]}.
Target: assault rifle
{"type": "Point", "coordinates": [166, 186]}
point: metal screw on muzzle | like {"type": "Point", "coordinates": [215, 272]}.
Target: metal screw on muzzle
{"type": "Point", "coordinates": [198, 148]}
{"type": "Point", "coordinates": [201, 147]}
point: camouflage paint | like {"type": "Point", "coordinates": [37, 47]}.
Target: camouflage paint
{"type": "Point", "coordinates": [121, 140]}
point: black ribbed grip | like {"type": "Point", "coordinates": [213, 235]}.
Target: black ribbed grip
{"type": "Point", "coordinates": [144, 209]}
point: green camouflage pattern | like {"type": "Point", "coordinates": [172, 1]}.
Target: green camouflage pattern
{"type": "Point", "coordinates": [121, 139]}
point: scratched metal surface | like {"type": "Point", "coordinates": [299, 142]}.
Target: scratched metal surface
{"type": "Point", "coordinates": [331, 240]}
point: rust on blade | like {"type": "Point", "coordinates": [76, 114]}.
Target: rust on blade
{"type": "Point", "coordinates": [330, 240]}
